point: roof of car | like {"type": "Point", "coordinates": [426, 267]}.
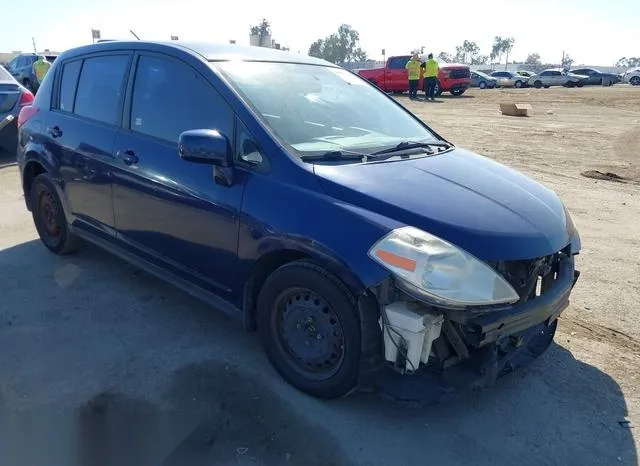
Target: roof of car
{"type": "Point", "coordinates": [208, 51]}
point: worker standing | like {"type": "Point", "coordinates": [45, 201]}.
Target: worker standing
{"type": "Point", "coordinates": [40, 68]}
{"type": "Point", "coordinates": [413, 66]}
{"type": "Point", "coordinates": [431, 69]}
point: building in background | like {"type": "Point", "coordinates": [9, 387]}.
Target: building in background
{"type": "Point", "coordinates": [260, 36]}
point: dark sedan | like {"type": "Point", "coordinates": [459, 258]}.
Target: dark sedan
{"type": "Point", "coordinates": [13, 96]}
{"type": "Point", "coordinates": [597, 77]}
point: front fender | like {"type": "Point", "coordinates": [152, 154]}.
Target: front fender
{"type": "Point", "coordinates": [293, 218]}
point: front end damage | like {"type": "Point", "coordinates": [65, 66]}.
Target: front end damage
{"type": "Point", "coordinates": [422, 352]}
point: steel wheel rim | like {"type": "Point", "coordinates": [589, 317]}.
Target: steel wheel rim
{"type": "Point", "coordinates": [49, 214]}
{"type": "Point", "coordinates": [309, 332]}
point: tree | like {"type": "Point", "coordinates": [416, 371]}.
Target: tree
{"type": "Point", "coordinates": [502, 46]}
{"type": "Point", "coordinates": [262, 30]}
{"type": "Point", "coordinates": [445, 57]}
{"type": "Point", "coordinates": [340, 47]}
{"type": "Point", "coordinates": [467, 52]}
{"type": "Point", "coordinates": [533, 59]}
{"type": "Point", "coordinates": [630, 62]}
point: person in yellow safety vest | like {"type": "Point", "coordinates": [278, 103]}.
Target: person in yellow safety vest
{"type": "Point", "coordinates": [40, 68]}
{"type": "Point", "coordinates": [431, 69]}
{"type": "Point", "coordinates": [413, 66]}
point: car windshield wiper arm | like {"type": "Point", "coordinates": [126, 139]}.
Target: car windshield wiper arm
{"type": "Point", "coordinates": [341, 154]}
{"type": "Point", "coordinates": [408, 145]}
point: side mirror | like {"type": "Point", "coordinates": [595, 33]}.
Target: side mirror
{"type": "Point", "coordinates": [205, 146]}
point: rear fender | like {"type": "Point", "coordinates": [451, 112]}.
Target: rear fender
{"type": "Point", "coordinates": [37, 152]}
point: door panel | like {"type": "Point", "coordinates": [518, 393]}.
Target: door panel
{"type": "Point", "coordinates": [168, 209]}
{"type": "Point", "coordinates": [83, 128]}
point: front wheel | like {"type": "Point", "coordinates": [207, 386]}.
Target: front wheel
{"type": "Point", "coordinates": [457, 91]}
{"type": "Point", "coordinates": [482, 85]}
{"type": "Point", "coordinates": [309, 327]}
{"type": "Point", "coordinates": [49, 218]}
{"type": "Point", "coordinates": [537, 84]}
{"type": "Point", "coordinates": [635, 81]}
{"type": "Point", "coordinates": [580, 84]}
{"type": "Point", "coordinates": [519, 84]}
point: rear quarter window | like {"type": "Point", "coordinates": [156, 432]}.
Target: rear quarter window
{"type": "Point", "coordinates": [70, 72]}
{"type": "Point", "coordinates": [101, 87]}
{"type": "Point", "coordinates": [398, 62]}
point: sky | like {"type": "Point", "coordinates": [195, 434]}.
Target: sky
{"type": "Point", "coordinates": [592, 32]}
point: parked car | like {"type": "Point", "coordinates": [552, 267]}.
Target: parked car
{"type": "Point", "coordinates": [632, 77]}
{"type": "Point", "coordinates": [21, 68]}
{"type": "Point", "coordinates": [295, 196]}
{"type": "Point", "coordinates": [13, 97]}
{"type": "Point", "coordinates": [393, 77]}
{"type": "Point", "coordinates": [509, 79]}
{"type": "Point", "coordinates": [597, 77]}
{"type": "Point", "coordinates": [557, 77]}
{"type": "Point", "coordinates": [482, 80]}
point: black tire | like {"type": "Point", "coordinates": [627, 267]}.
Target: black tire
{"type": "Point", "coordinates": [482, 85]}
{"type": "Point", "coordinates": [519, 84]}
{"type": "Point", "coordinates": [303, 308]}
{"type": "Point", "coordinates": [49, 218]}
{"type": "Point", "coordinates": [635, 81]}
{"type": "Point", "coordinates": [580, 84]}
{"type": "Point", "coordinates": [537, 84]}
{"type": "Point", "coordinates": [547, 87]}
{"type": "Point", "coordinates": [570, 84]}
{"type": "Point", "coordinates": [457, 92]}
{"type": "Point", "coordinates": [438, 89]}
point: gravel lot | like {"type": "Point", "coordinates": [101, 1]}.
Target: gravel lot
{"type": "Point", "coordinates": [97, 356]}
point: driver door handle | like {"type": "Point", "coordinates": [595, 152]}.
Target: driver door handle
{"type": "Point", "coordinates": [128, 156]}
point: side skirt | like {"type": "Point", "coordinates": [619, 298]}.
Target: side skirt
{"type": "Point", "coordinates": [194, 290]}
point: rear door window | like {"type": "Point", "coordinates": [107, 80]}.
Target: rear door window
{"type": "Point", "coordinates": [398, 62]}
{"type": "Point", "coordinates": [100, 88]}
{"type": "Point", "coordinates": [70, 72]}
{"type": "Point", "coordinates": [170, 97]}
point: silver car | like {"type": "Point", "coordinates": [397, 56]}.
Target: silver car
{"type": "Point", "coordinates": [509, 79]}
{"type": "Point", "coordinates": [557, 77]}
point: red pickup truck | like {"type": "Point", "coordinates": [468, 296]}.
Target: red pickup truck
{"type": "Point", "coordinates": [393, 77]}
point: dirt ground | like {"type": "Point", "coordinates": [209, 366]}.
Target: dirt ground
{"type": "Point", "coordinates": [96, 356]}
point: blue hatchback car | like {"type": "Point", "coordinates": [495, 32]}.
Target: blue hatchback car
{"type": "Point", "coordinates": [292, 194]}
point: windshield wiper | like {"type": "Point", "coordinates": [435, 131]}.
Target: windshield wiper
{"type": "Point", "coordinates": [341, 154]}
{"type": "Point", "coordinates": [408, 145]}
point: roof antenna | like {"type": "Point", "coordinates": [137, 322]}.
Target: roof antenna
{"type": "Point", "coordinates": [134, 34]}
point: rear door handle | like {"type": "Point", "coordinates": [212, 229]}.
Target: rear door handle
{"type": "Point", "coordinates": [54, 131]}
{"type": "Point", "coordinates": [128, 156]}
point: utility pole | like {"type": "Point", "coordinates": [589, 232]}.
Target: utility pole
{"type": "Point", "coordinates": [33, 41]}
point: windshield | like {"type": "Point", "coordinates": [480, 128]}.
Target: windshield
{"type": "Point", "coordinates": [316, 109]}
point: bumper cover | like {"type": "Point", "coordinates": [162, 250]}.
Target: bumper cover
{"type": "Point", "coordinates": [502, 342]}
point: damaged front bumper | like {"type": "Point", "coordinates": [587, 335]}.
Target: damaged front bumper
{"type": "Point", "coordinates": [475, 349]}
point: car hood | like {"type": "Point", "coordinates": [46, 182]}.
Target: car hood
{"type": "Point", "coordinates": [490, 210]}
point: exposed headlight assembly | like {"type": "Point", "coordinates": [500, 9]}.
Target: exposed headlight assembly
{"type": "Point", "coordinates": [440, 272]}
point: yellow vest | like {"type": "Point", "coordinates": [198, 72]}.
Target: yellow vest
{"type": "Point", "coordinates": [431, 68]}
{"type": "Point", "coordinates": [414, 69]}
{"type": "Point", "coordinates": [40, 68]}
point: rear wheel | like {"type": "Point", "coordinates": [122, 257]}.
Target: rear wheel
{"type": "Point", "coordinates": [482, 85]}
{"type": "Point", "coordinates": [49, 218]}
{"type": "Point", "coordinates": [519, 84]}
{"type": "Point", "coordinates": [537, 84]}
{"type": "Point", "coordinates": [635, 81]}
{"type": "Point", "coordinates": [457, 91]}
{"type": "Point", "coordinates": [580, 84]}
{"type": "Point", "coordinates": [309, 326]}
